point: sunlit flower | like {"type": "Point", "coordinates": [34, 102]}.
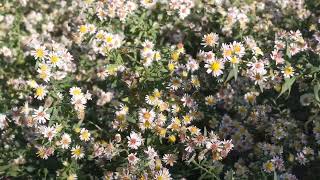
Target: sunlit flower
{"type": "Point", "coordinates": [84, 135]}
{"type": "Point", "coordinates": [132, 158]}
{"type": "Point", "coordinates": [40, 115]}
{"type": "Point", "coordinates": [65, 141]}
{"type": "Point", "coordinates": [41, 92]}
{"type": "Point", "coordinates": [77, 152]}
{"type": "Point", "coordinates": [49, 132]}
{"type": "Point", "coordinates": [288, 71]}
{"type": "Point", "coordinates": [134, 140]}
{"type": "Point", "coordinates": [40, 52]}
{"type": "Point", "coordinates": [215, 67]}
{"type": "Point", "coordinates": [210, 39]}
{"type": "Point", "coordinates": [169, 159]}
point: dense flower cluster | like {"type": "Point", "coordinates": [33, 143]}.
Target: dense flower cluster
{"type": "Point", "coordinates": [160, 89]}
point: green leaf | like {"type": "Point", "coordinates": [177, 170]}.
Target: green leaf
{"type": "Point", "coordinates": [230, 76]}
{"type": "Point", "coordinates": [131, 119]}
{"type": "Point", "coordinates": [287, 85]}
{"type": "Point", "coordinates": [314, 69]}
{"type": "Point", "coordinates": [275, 176]}
{"type": "Point", "coordinates": [4, 167]}
{"type": "Point", "coordinates": [316, 89]}
{"type": "Point", "coordinates": [235, 72]}
{"type": "Point", "coordinates": [148, 140]}
{"type": "Point", "coordinates": [125, 99]}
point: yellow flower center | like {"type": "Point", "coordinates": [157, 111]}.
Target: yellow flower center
{"type": "Point", "coordinates": [193, 130]}
{"type": "Point", "coordinates": [146, 115]}
{"type": "Point", "coordinates": [76, 92]}
{"type": "Point", "coordinates": [209, 40]}
{"type": "Point", "coordinates": [148, 1]}
{"type": "Point", "coordinates": [251, 98]}
{"type": "Point", "coordinates": [157, 94]}
{"type": "Point", "coordinates": [227, 52]}
{"type": "Point", "coordinates": [109, 39]}
{"type": "Point", "coordinates": [43, 75]}
{"type": "Point", "coordinates": [41, 153]}
{"type": "Point", "coordinates": [175, 56]}
{"type": "Point", "coordinates": [121, 117]}
{"type": "Point", "coordinates": [172, 139]}
{"type": "Point", "coordinates": [100, 36]}
{"type": "Point", "coordinates": [43, 67]}
{"type": "Point", "coordinates": [77, 152]}
{"type": "Point", "coordinates": [288, 70]}
{"type": "Point", "coordinates": [237, 48]}
{"type": "Point", "coordinates": [40, 91]}
{"type": "Point", "coordinates": [147, 124]}
{"type": "Point", "coordinates": [40, 53]}
{"type": "Point", "coordinates": [269, 166]}
{"type": "Point", "coordinates": [215, 66]}
{"type": "Point", "coordinates": [83, 29]}
{"type": "Point", "coordinates": [210, 101]}
{"type": "Point", "coordinates": [171, 66]}
{"type": "Point", "coordinates": [187, 118]}
{"type": "Point", "coordinates": [234, 60]}
{"type": "Point", "coordinates": [157, 56]}
{"type": "Point", "coordinates": [54, 59]}
{"type": "Point", "coordinates": [85, 135]}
